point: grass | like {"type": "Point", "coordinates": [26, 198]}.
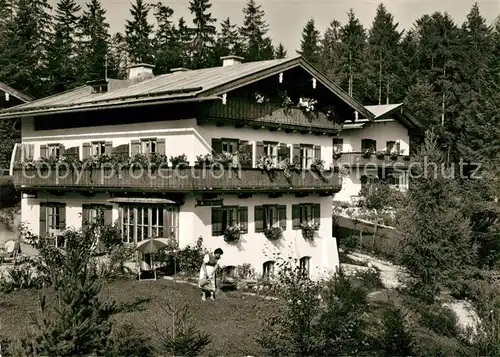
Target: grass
{"type": "Point", "coordinates": [233, 320]}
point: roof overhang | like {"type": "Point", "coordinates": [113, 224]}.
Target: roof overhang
{"type": "Point", "coordinates": [16, 94]}
{"type": "Point", "coordinates": [142, 200]}
{"type": "Point", "coordinates": [402, 114]}
{"type": "Point", "coordinates": [113, 105]}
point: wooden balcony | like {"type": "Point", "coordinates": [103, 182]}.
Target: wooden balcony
{"type": "Point", "coordinates": [179, 180]}
{"type": "Point", "coordinates": [358, 159]}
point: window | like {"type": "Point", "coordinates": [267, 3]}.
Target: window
{"type": "Point", "coordinates": [269, 216]}
{"type": "Point", "coordinates": [98, 148]}
{"type": "Point", "coordinates": [338, 145]}
{"type": "Point", "coordinates": [393, 147]}
{"type": "Point", "coordinates": [52, 219]}
{"type": "Point", "coordinates": [96, 212]}
{"type": "Point", "coordinates": [226, 216]}
{"type": "Point", "coordinates": [368, 144]}
{"type": "Point", "coordinates": [306, 213]}
{"type": "Point", "coordinates": [148, 146]}
{"type": "Point", "coordinates": [144, 222]}
{"type": "Point", "coordinates": [304, 266]}
{"type": "Point", "coordinates": [268, 269]}
{"type": "Point", "coordinates": [54, 151]}
{"type": "Point", "coordinates": [230, 145]}
{"type": "Point", "coordinates": [306, 156]}
{"type": "Point", "coordinates": [271, 150]}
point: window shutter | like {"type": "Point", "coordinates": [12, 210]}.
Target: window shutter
{"type": "Point", "coordinates": [316, 213]}
{"type": "Point", "coordinates": [216, 146]}
{"type": "Point", "coordinates": [61, 150]}
{"type": "Point", "coordinates": [44, 151]}
{"type": "Point", "coordinates": [317, 152]}
{"type": "Point", "coordinates": [108, 147]}
{"type": "Point", "coordinates": [108, 215]}
{"type": "Point", "coordinates": [259, 219]}
{"type": "Point", "coordinates": [296, 154]}
{"type": "Point", "coordinates": [86, 151]}
{"type": "Point", "coordinates": [85, 216]}
{"type": "Point", "coordinates": [160, 147]}
{"type": "Point", "coordinates": [295, 216]}
{"type": "Point", "coordinates": [120, 219]}
{"type": "Point", "coordinates": [243, 217]}
{"type": "Point", "coordinates": [282, 216]}
{"type": "Point", "coordinates": [29, 150]}
{"type": "Point", "coordinates": [260, 150]}
{"type": "Point", "coordinates": [43, 220]}
{"type": "Point", "coordinates": [245, 150]}
{"type": "Point", "coordinates": [216, 221]}
{"type": "Point", "coordinates": [135, 147]}
{"type": "Point", "coordinates": [62, 216]}
{"type": "Point", "coordinates": [283, 152]}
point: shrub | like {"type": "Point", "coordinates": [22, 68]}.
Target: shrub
{"type": "Point", "coordinates": [19, 277]}
{"type": "Point", "coordinates": [370, 279]}
{"type": "Point", "coordinates": [187, 260]}
{"type": "Point", "coordinates": [396, 339]}
{"type": "Point", "coordinates": [245, 271]}
{"type": "Point", "coordinates": [439, 319]}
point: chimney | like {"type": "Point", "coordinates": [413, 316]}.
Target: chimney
{"type": "Point", "coordinates": [231, 60]}
{"type": "Point", "coordinates": [140, 70]}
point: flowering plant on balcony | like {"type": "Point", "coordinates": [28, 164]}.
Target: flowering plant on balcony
{"type": "Point", "coordinates": [226, 159]}
{"type": "Point", "coordinates": [337, 154]}
{"type": "Point", "coordinates": [308, 230]}
{"type": "Point", "coordinates": [318, 165]}
{"type": "Point", "coordinates": [380, 154]}
{"type": "Point", "coordinates": [233, 233]}
{"type": "Point", "coordinates": [273, 233]}
{"type": "Point", "coordinates": [367, 153]}
{"type": "Point", "coordinates": [267, 163]}
{"type": "Point", "coordinates": [204, 161]}
{"type": "Point", "coordinates": [179, 161]}
{"type": "Point", "coordinates": [307, 104]}
{"type": "Point", "coordinates": [259, 98]}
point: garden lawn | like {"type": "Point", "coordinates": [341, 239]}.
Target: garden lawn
{"type": "Point", "coordinates": [233, 320]}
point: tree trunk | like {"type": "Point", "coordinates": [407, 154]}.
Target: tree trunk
{"type": "Point", "coordinates": [444, 94]}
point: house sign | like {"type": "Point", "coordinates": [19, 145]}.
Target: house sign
{"type": "Point", "coordinates": [210, 202]}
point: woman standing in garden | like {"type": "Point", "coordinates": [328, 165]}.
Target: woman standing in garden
{"type": "Point", "coordinates": [208, 270]}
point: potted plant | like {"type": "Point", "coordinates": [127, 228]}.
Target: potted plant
{"type": "Point", "coordinates": [308, 230]}
{"type": "Point", "coordinates": [273, 233]}
{"type": "Point", "coordinates": [225, 159]}
{"type": "Point", "coordinates": [233, 233]}
{"type": "Point", "coordinates": [367, 153]}
{"type": "Point", "coordinates": [380, 155]}
{"type": "Point", "coordinates": [337, 155]}
{"type": "Point", "coordinates": [179, 161]}
{"type": "Point", "coordinates": [204, 161]}
{"type": "Point", "coordinates": [318, 165]}
{"type": "Point", "coordinates": [394, 155]}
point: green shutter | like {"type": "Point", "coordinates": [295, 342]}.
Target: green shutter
{"type": "Point", "coordinates": [86, 150]}
{"type": "Point", "coordinates": [108, 147]}
{"type": "Point", "coordinates": [259, 219]}
{"type": "Point", "coordinates": [135, 147]}
{"type": "Point", "coordinates": [44, 151]}
{"type": "Point", "coordinates": [43, 220]}
{"type": "Point", "coordinates": [160, 147]}
{"type": "Point", "coordinates": [108, 215]}
{"type": "Point", "coordinates": [216, 146]}
{"type": "Point", "coordinates": [216, 221]}
{"type": "Point", "coordinates": [317, 152]}
{"type": "Point", "coordinates": [62, 216]}
{"type": "Point", "coordinates": [296, 154]}
{"type": "Point", "coordinates": [316, 213]}
{"type": "Point", "coordinates": [260, 150]}
{"type": "Point", "coordinates": [295, 216]}
{"type": "Point", "coordinates": [85, 216]}
{"type": "Point", "coordinates": [282, 216]}
{"type": "Point", "coordinates": [243, 217]}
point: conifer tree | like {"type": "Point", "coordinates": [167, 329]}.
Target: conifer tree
{"type": "Point", "coordinates": [331, 47]}
{"type": "Point", "coordinates": [258, 47]}
{"type": "Point", "coordinates": [165, 41]}
{"type": "Point", "coordinates": [63, 50]}
{"type": "Point", "coordinates": [137, 34]}
{"type": "Point", "coordinates": [353, 56]}
{"type": "Point", "coordinates": [119, 55]}
{"type": "Point", "coordinates": [183, 36]}
{"type": "Point", "coordinates": [96, 60]}
{"type": "Point", "coordinates": [228, 41]}
{"type": "Point", "coordinates": [280, 51]}
{"type": "Point", "coordinates": [385, 58]}
{"type": "Point", "coordinates": [24, 56]}
{"type": "Point", "coordinates": [309, 45]}
{"type": "Point", "coordinates": [203, 33]}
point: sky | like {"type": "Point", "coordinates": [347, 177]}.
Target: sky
{"type": "Point", "coordinates": [287, 18]}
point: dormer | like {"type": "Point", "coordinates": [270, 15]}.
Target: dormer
{"type": "Point", "coordinates": [98, 86]}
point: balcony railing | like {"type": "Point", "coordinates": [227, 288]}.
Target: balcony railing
{"type": "Point", "coordinates": [361, 160]}
{"type": "Point", "coordinates": [177, 180]}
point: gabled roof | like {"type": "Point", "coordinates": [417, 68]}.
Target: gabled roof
{"type": "Point", "coordinates": [7, 89]}
{"type": "Point", "coordinates": [387, 112]}
{"type": "Point", "coordinates": [194, 85]}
